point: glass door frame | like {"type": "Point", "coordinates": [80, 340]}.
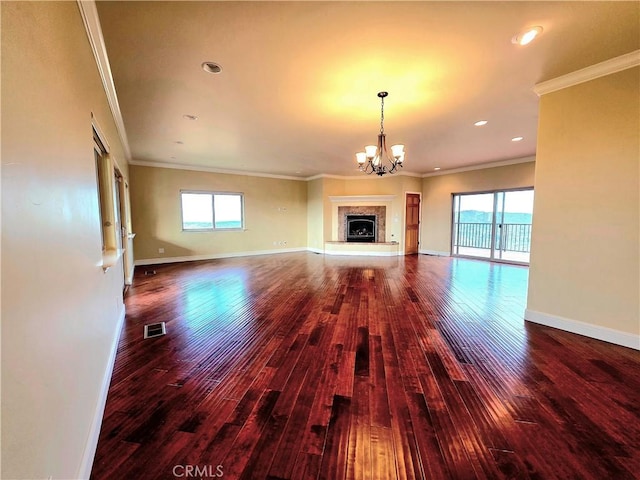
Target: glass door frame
{"type": "Point", "coordinates": [494, 225]}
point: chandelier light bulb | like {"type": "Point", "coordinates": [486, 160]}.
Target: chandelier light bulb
{"type": "Point", "coordinates": [361, 157]}
{"type": "Point", "coordinates": [397, 150]}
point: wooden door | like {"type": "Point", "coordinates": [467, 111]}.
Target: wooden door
{"type": "Point", "coordinates": [412, 226]}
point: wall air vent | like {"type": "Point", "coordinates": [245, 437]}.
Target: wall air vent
{"type": "Point", "coordinates": [155, 330]}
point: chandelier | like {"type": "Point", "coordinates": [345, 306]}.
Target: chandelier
{"type": "Point", "coordinates": [373, 159]}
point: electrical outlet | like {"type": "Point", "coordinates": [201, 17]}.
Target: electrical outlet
{"type": "Point", "coordinates": [161, 250]}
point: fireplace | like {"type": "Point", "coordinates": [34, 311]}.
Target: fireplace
{"type": "Point", "coordinates": [361, 228]}
{"type": "Point", "coordinates": [377, 214]}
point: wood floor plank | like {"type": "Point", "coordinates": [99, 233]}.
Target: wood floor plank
{"type": "Point", "coordinates": [301, 366]}
{"type": "Point", "coordinates": [334, 456]}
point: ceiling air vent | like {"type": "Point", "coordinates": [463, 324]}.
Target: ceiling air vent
{"type": "Point", "coordinates": [155, 330]}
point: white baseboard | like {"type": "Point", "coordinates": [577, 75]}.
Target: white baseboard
{"type": "Point", "coordinates": [362, 253]}
{"type": "Point", "coordinates": [605, 334]}
{"type": "Point", "coordinates": [129, 279]}
{"type": "Point", "coordinates": [94, 433]}
{"type": "Point", "coordinates": [215, 256]}
{"type": "Point", "coordinates": [435, 252]}
{"type": "Point", "coordinates": [315, 250]}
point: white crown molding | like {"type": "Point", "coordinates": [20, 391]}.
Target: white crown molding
{"type": "Point", "coordinates": [482, 166]}
{"type": "Point", "coordinates": [199, 168]}
{"type": "Point", "coordinates": [362, 176]}
{"type": "Point", "coordinates": [89, 14]}
{"type": "Point", "coordinates": [598, 70]}
{"type": "Point", "coordinates": [196, 168]}
{"type": "Point", "coordinates": [360, 198]}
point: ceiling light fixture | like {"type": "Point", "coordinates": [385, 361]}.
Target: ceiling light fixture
{"type": "Point", "coordinates": [436, 168]}
{"type": "Point", "coordinates": [370, 161]}
{"type": "Point", "coordinates": [527, 36]}
{"type": "Point", "coordinates": [516, 139]}
{"type": "Point", "coordinates": [480, 123]}
{"type": "Point", "coordinates": [211, 67]}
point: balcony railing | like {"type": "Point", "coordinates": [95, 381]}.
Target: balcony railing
{"type": "Point", "coordinates": [512, 237]}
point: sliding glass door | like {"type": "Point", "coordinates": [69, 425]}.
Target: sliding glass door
{"type": "Point", "coordinates": [473, 224]}
{"type": "Point", "coordinates": [493, 225]}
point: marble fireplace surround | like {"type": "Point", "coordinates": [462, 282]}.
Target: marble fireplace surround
{"type": "Point", "coordinates": [381, 220]}
{"type": "Point", "coordinates": [379, 205]}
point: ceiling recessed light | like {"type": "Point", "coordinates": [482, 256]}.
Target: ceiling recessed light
{"type": "Point", "coordinates": [211, 67]}
{"type": "Point", "coordinates": [527, 36]}
{"type": "Point", "coordinates": [516, 139]}
{"type": "Point", "coordinates": [189, 117]}
{"type": "Point", "coordinates": [480, 123]}
{"type": "Point", "coordinates": [437, 168]}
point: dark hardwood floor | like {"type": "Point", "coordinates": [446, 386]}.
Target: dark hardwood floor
{"type": "Point", "coordinates": [303, 366]}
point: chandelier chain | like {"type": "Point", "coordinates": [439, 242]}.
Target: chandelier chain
{"type": "Point", "coordinates": [382, 115]}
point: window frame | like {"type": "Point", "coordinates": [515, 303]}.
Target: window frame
{"type": "Point", "coordinates": [98, 154]}
{"type": "Point", "coordinates": [213, 211]}
{"type": "Point", "coordinates": [104, 184]}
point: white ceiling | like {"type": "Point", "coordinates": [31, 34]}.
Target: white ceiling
{"type": "Point", "coordinates": [298, 92]}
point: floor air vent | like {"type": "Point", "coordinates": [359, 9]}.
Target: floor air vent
{"type": "Point", "coordinates": [155, 330]}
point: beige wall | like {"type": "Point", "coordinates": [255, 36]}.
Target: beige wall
{"type": "Point", "coordinates": [584, 259]}
{"type": "Point", "coordinates": [60, 312]}
{"type": "Point", "coordinates": [437, 201]}
{"type": "Point", "coordinates": [315, 215]}
{"type": "Point", "coordinates": [332, 187]}
{"type": "Point", "coordinates": [275, 211]}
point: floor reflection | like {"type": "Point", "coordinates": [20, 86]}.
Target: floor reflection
{"type": "Point", "coordinates": [486, 295]}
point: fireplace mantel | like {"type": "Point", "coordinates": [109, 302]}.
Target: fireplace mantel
{"type": "Point", "coordinates": [360, 198]}
{"type": "Point", "coordinates": [379, 205]}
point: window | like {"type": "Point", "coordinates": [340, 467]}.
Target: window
{"type": "Point", "coordinates": [104, 173]}
{"type": "Point", "coordinates": [212, 211]}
